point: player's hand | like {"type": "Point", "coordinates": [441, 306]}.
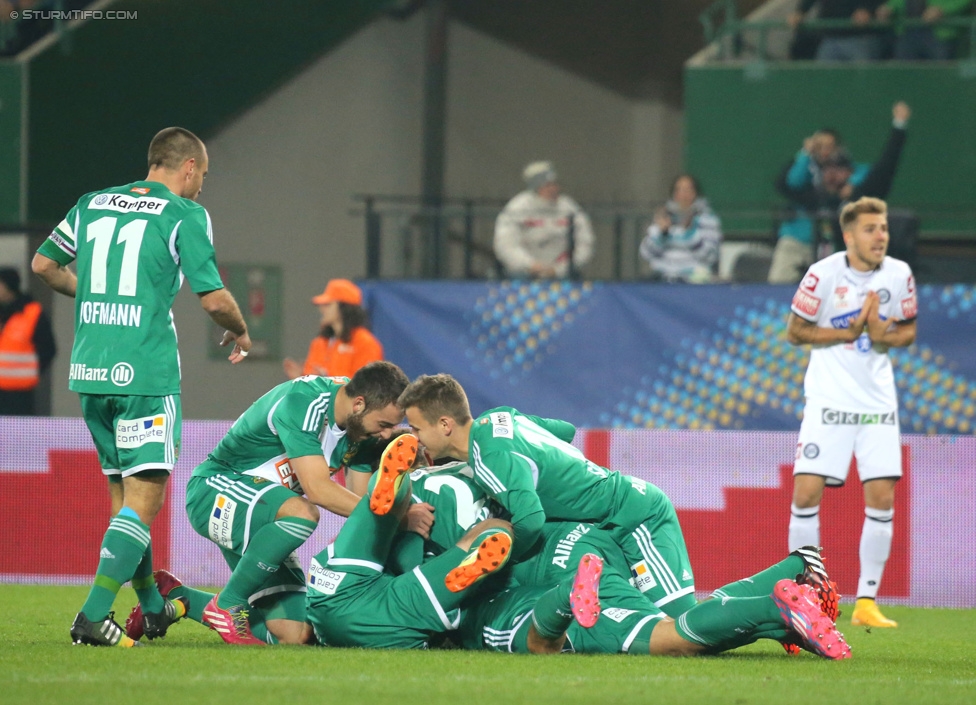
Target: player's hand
{"type": "Point", "coordinates": [883, 13]}
{"type": "Point", "coordinates": [856, 327]}
{"type": "Point", "coordinates": [242, 346]}
{"type": "Point", "coordinates": [932, 13]}
{"type": "Point", "coordinates": [419, 519]}
{"type": "Point", "coordinates": [292, 368]}
{"type": "Point", "coordinates": [901, 112]}
{"type": "Point", "coordinates": [794, 19]}
{"type": "Point", "coordinates": [861, 16]}
{"type": "Point", "coordinates": [876, 327]}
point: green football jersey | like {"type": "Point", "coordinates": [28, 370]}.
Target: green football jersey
{"type": "Point", "coordinates": [459, 502]}
{"type": "Point", "coordinates": [526, 463]}
{"type": "Point", "coordinates": [132, 245]}
{"type": "Point", "coordinates": [293, 420]}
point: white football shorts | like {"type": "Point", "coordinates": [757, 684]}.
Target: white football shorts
{"type": "Point", "coordinates": [830, 437]}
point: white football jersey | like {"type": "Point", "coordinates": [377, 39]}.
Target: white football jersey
{"type": "Point", "coordinates": [853, 376]}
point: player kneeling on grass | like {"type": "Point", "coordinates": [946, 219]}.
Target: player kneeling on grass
{"type": "Point", "coordinates": [247, 496]}
{"type": "Point", "coordinates": [351, 601]}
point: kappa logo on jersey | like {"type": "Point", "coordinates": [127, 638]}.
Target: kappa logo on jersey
{"type": "Point", "coordinates": [910, 286]}
{"type": "Point", "coordinates": [323, 580]}
{"type": "Point", "coordinates": [122, 374]}
{"type": "Point", "coordinates": [806, 303]}
{"type": "Point", "coordinates": [832, 417]}
{"type": "Point", "coordinates": [134, 433]}
{"type": "Point", "coordinates": [221, 527]}
{"type": "Point", "coordinates": [617, 614]}
{"type": "Point", "coordinates": [501, 424]}
{"type": "Point", "coordinates": [119, 202]}
{"type": "Point", "coordinates": [909, 307]}
{"type": "Point", "coordinates": [643, 580]}
{"type": "Point", "coordinates": [841, 297]}
{"type": "Point", "coordinates": [81, 371]}
{"type": "Point", "coordinates": [142, 190]}
{"type": "Point", "coordinates": [810, 282]}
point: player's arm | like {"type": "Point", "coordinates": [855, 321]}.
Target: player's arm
{"type": "Point", "coordinates": [897, 334]}
{"type": "Point", "coordinates": [507, 478]}
{"type": "Point", "coordinates": [55, 275]}
{"type": "Point", "coordinates": [224, 311]}
{"type": "Point", "coordinates": [800, 331]}
{"type": "Point", "coordinates": [891, 332]}
{"type": "Point", "coordinates": [563, 430]}
{"type": "Point", "coordinates": [313, 474]}
{"type": "Point", "coordinates": [56, 253]}
{"type": "Point", "coordinates": [198, 262]}
{"type": "Point", "coordinates": [356, 482]}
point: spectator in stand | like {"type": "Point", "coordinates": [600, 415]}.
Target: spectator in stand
{"type": "Point", "coordinates": [344, 343]}
{"type": "Point", "coordinates": [925, 43]}
{"type": "Point", "coordinates": [682, 243]}
{"type": "Point", "coordinates": [816, 194]}
{"type": "Point", "coordinates": [798, 182]}
{"type": "Point", "coordinates": [857, 43]}
{"type": "Point", "coordinates": [532, 233]}
{"type": "Point", "coordinates": [26, 345]}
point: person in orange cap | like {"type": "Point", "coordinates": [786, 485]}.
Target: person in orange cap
{"type": "Point", "coordinates": [345, 343]}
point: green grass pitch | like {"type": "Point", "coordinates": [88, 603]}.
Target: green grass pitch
{"type": "Point", "coordinates": [929, 658]}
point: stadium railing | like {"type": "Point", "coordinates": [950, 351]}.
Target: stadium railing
{"type": "Point", "coordinates": [409, 238]}
{"type": "Point", "coordinates": [728, 32]}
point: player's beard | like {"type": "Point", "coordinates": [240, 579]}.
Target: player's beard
{"type": "Point", "coordinates": [869, 257]}
{"type": "Point", "coordinates": [355, 428]}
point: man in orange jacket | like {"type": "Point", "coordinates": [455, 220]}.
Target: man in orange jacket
{"type": "Point", "coordinates": [26, 345]}
{"type": "Point", "coordinates": [344, 343]}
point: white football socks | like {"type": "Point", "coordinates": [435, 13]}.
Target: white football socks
{"type": "Point", "coordinates": [875, 548]}
{"type": "Point", "coordinates": [804, 527]}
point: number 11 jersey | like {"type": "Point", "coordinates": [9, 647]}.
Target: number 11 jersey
{"type": "Point", "coordinates": [133, 245]}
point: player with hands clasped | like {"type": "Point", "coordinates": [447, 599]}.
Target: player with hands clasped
{"type": "Point", "coordinates": [852, 307]}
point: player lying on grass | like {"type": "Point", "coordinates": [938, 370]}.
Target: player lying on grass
{"type": "Point", "coordinates": [528, 465]}
{"type": "Point", "coordinates": [793, 601]}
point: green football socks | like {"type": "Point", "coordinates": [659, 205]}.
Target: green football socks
{"type": "Point", "coordinates": [726, 623]}
{"type": "Point", "coordinates": [552, 614]}
{"type": "Point", "coordinates": [265, 553]}
{"type": "Point", "coordinates": [762, 583]}
{"type": "Point", "coordinates": [125, 543]}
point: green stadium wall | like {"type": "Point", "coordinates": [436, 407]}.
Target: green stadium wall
{"type": "Point", "coordinates": [98, 96]}
{"type": "Point", "coordinates": [11, 108]}
{"type": "Point", "coordinates": [743, 123]}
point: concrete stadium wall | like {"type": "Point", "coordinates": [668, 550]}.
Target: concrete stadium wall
{"type": "Point", "coordinates": [283, 173]}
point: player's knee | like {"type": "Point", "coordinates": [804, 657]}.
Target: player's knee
{"type": "Point", "coordinates": [288, 631]}
{"type": "Point", "coordinates": [476, 530]}
{"type": "Point", "coordinates": [665, 641]}
{"type": "Point", "coordinates": [300, 508]}
{"type": "Point", "coordinates": [807, 490]}
{"type": "Point", "coordinates": [537, 644]}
